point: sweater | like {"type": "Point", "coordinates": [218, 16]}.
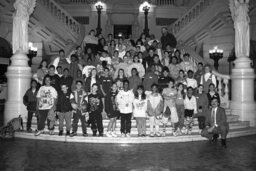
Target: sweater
{"type": "Point", "coordinates": [124, 101]}
{"type": "Point", "coordinates": [155, 105]}
{"type": "Point", "coordinates": [140, 107]}
{"type": "Point", "coordinates": [190, 104]}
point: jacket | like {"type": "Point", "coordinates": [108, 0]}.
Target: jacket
{"type": "Point", "coordinates": [221, 118]}
{"type": "Point", "coordinates": [30, 100]}
{"type": "Point", "coordinates": [159, 107]}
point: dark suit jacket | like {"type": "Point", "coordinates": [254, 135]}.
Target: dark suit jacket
{"type": "Point", "coordinates": [221, 118]}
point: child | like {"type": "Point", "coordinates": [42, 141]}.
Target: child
{"type": "Point", "coordinates": [95, 107]}
{"type": "Point", "coordinates": [191, 82]}
{"type": "Point", "coordinates": [111, 110]}
{"type": "Point", "coordinates": [79, 104]}
{"type": "Point", "coordinates": [134, 80]}
{"type": "Point", "coordinates": [190, 109]}
{"type": "Point", "coordinates": [120, 79]}
{"type": "Point", "coordinates": [180, 107]}
{"type": "Point", "coordinates": [29, 100]}
{"type": "Point", "coordinates": [124, 100]}
{"type": "Point", "coordinates": [139, 110]}
{"type": "Point", "coordinates": [202, 105]}
{"type": "Point", "coordinates": [154, 109]}
{"type": "Point", "coordinates": [170, 111]}
{"type": "Point", "coordinates": [105, 82]}
{"type": "Point", "coordinates": [64, 109]}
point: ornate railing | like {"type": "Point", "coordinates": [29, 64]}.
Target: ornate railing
{"type": "Point", "coordinates": [222, 79]}
{"type": "Point", "coordinates": [164, 2]}
{"type": "Point", "coordinates": [61, 15]}
{"type": "Point", "coordinates": [191, 15]}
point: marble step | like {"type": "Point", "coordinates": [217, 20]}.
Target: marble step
{"type": "Point", "coordinates": [133, 139]}
{"type": "Point", "coordinates": [134, 131]}
{"type": "Point", "coordinates": [230, 118]}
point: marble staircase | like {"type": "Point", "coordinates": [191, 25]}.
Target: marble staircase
{"type": "Point", "coordinates": [237, 128]}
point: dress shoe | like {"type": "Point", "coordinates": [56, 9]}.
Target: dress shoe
{"type": "Point", "coordinates": [94, 134]}
{"type": "Point", "coordinates": [29, 130]}
{"type": "Point", "coordinates": [223, 143]}
{"type": "Point", "coordinates": [100, 134]}
{"type": "Point", "coordinates": [85, 134]}
{"type": "Point", "coordinates": [215, 138]}
{"type": "Point", "coordinates": [67, 133]}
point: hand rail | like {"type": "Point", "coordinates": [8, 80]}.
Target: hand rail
{"type": "Point", "coordinates": [61, 14]}
{"type": "Point", "coordinates": [223, 79]}
{"type": "Point", "coordinates": [189, 16]}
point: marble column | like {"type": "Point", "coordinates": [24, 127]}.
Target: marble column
{"type": "Point", "coordinates": [242, 76]}
{"type": "Point", "coordinates": [19, 73]}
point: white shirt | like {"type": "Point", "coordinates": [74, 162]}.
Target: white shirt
{"type": "Point", "coordinates": [125, 101]}
{"type": "Point", "coordinates": [190, 104]}
{"type": "Point", "coordinates": [207, 76]}
{"type": "Point", "coordinates": [191, 82]}
{"type": "Point", "coordinates": [46, 95]}
{"type": "Point", "coordinates": [107, 59]}
{"type": "Point", "coordinates": [87, 69]}
{"type": "Point", "coordinates": [215, 112]}
{"type": "Point", "coordinates": [154, 100]}
{"type": "Point", "coordinates": [139, 107]}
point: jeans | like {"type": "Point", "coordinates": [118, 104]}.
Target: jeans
{"type": "Point", "coordinates": [78, 115]}
{"type": "Point", "coordinates": [180, 111]}
{"type": "Point", "coordinates": [126, 123]}
{"type": "Point", "coordinates": [141, 125]}
{"type": "Point", "coordinates": [30, 116]}
{"type": "Point", "coordinates": [67, 117]}
{"type": "Point", "coordinates": [42, 118]}
{"type": "Point", "coordinates": [154, 122]}
{"type": "Point", "coordinates": [96, 122]}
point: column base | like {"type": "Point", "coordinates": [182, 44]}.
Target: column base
{"type": "Point", "coordinates": [245, 110]}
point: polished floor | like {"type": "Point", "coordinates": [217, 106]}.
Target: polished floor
{"type": "Point", "coordinates": [20, 154]}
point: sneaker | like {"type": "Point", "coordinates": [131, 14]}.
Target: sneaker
{"type": "Point", "coordinates": [85, 134]}
{"type": "Point", "coordinates": [38, 133]}
{"type": "Point", "coordinates": [108, 134]}
{"type": "Point", "coordinates": [113, 134]}
{"type": "Point", "coordinates": [73, 134]}
{"type": "Point", "coordinates": [143, 135]}
{"type": "Point", "coordinates": [68, 133]}
{"type": "Point", "coordinates": [152, 134]}
{"type": "Point", "coordinates": [60, 133]}
{"type": "Point", "coordinates": [128, 135]}
{"type": "Point", "coordinates": [179, 131]}
{"type": "Point", "coordinates": [158, 134]}
{"type": "Point", "coordinates": [123, 135]}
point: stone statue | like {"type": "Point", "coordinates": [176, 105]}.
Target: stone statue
{"type": "Point", "coordinates": [239, 13]}
{"type": "Point", "coordinates": [23, 9]}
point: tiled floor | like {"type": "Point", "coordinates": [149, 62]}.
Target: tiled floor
{"type": "Point", "coordinates": [20, 154]}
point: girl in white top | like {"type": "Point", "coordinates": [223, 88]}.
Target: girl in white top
{"type": "Point", "coordinates": [125, 100]}
{"type": "Point", "coordinates": [139, 110]}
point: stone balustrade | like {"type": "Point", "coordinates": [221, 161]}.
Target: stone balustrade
{"type": "Point", "coordinates": [61, 14]}
{"type": "Point", "coordinates": [164, 2]}
{"type": "Point", "coordinates": [79, 1]}
{"type": "Point", "coordinates": [223, 81]}
{"type": "Point", "coordinates": [190, 15]}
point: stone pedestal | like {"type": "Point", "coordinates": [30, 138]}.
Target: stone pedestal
{"type": "Point", "coordinates": [243, 103]}
{"type": "Point", "coordinates": [19, 77]}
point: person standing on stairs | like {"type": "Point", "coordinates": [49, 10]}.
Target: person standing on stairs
{"type": "Point", "coordinates": [216, 123]}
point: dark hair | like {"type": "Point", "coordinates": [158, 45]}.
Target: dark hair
{"type": "Point", "coordinates": [135, 70]}
{"type": "Point", "coordinates": [211, 84]}
{"type": "Point", "coordinates": [126, 81]}
{"type": "Point", "coordinates": [132, 43]}
{"type": "Point", "coordinates": [190, 88]}
{"type": "Point", "coordinates": [79, 81]}
{"type": "Point", "coordinates": [171, 80]}
{"type": "Point", "coordinates": [51, 66]}
{"type": "Point", "coordinates": [34, 81]}
{"type": "Point", "coordinates": [182, 92]}
{"type": "Point", "coordinates": [165, 68]}
{"type": "Point", "coordinates": [186, 54]}
{"type": "Point", "coordinates": [62, 50]}
{"type": "Point", "coordinates": [181, 70]}
{"type": "Point", "coordinates": [66, 69]}
{"type": "Point", "coordinates": [200, 63]}
{"type": "Point", "coordinates": [41, 63]}
{"type": "Point", "coordinates": [143, 96]}
{"type": "Point", "coordinates": [64, 84]}
{"type": "Point", "coordinates": [177, 50]}
{"type": "Point", "coordinates": [47, 76]}
{"type": "Point", "coordinates": [156, 85]}
{"type": "Point", "coordinates": [59, 67]}
{"type": "Point", "coordinates": [190, 71]}
{"type": "Point", "coordinates": [78, 47]}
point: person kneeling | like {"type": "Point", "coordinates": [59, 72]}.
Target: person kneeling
{"type": "Point", "coordinates": [216, 123]}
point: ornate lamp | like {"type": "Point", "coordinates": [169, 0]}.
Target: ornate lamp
{"type": "Point", "coordinates": [216, 54]}
{"type": "Point", "coordinates": [146, 8]}
{"type": "Point", "coordinates": [99, 8]}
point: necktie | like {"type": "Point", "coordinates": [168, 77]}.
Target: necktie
{"type": "Point", "coordinates": [213, 117]}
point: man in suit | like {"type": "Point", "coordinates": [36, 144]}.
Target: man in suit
{"type": "Point", "coordinates": [216, 123]}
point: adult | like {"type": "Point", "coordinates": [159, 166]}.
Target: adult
{"type": "Point", "coordinates": [167, 38]}
{"type": "Point", "coordinates": [216, 123]}
{"type": "Point", "coordinates": [208, 78]}
{"type": "Point", "coordinates": [90, 41]}
{"type": "Point", "coordinates": [61, 60]}
{"type": "Point", "coordinates": [42, 71]}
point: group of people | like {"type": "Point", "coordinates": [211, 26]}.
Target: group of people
{"type": "Point", "coordinates": [124, 79]}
